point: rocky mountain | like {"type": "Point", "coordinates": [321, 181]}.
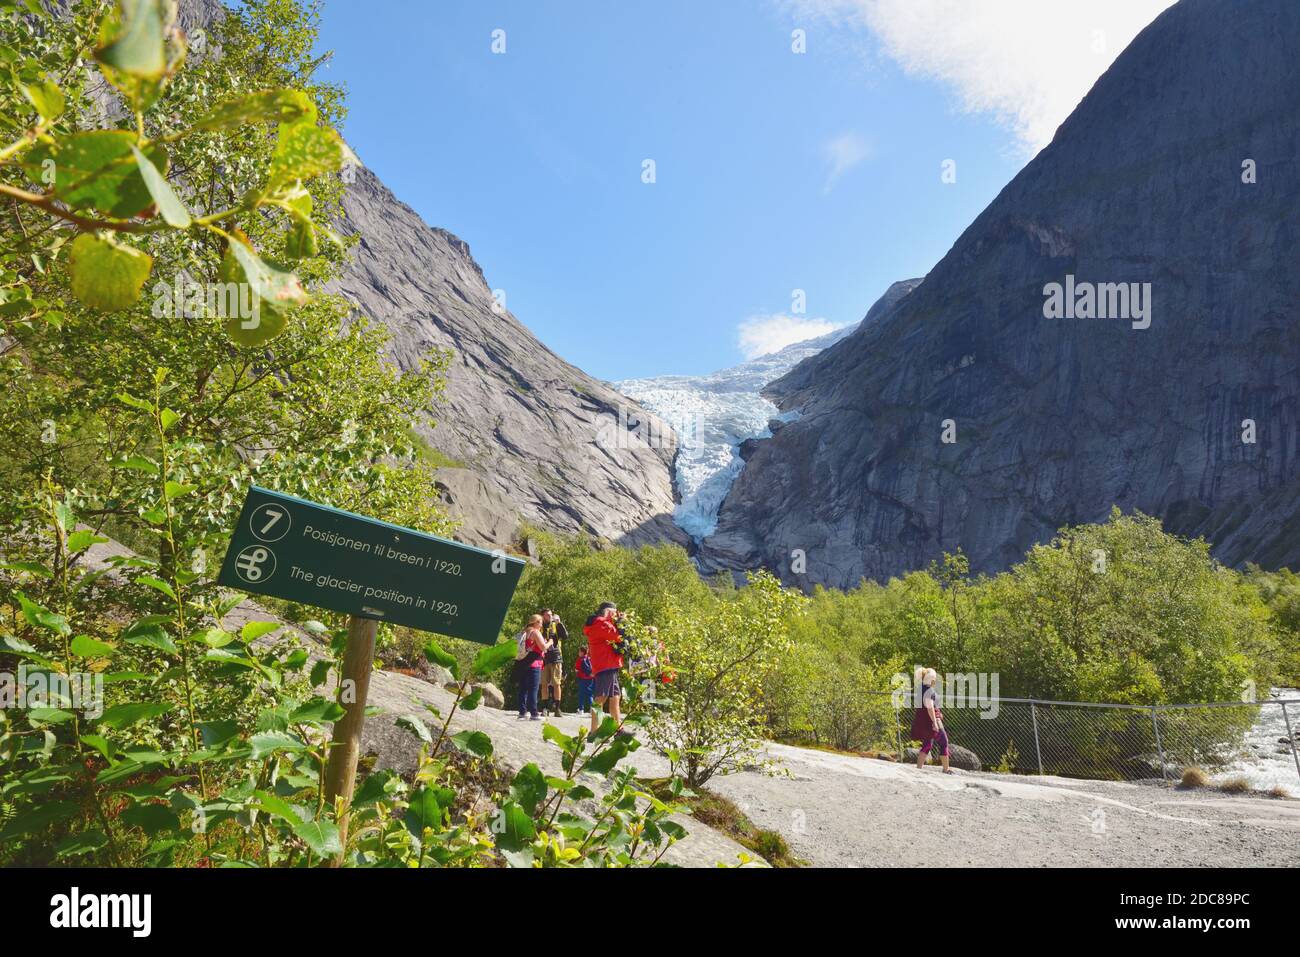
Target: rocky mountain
{"type": "Point", "coordinates": [717, 416]}
{"type": "Point", "coordinates": [1178, 174]}
{"type": "Point", "coordinates": [528, 436]}
{"type": "Point", "coordinates": [801, 374]}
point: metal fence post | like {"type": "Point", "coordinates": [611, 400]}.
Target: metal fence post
{"type": "Point", "coordinates": [1155, 725]}
{"type": "Point", "coordinates": [1033, 714]}
{"type": "Point", "coordinates": [1290, 734]}
{"type": "Point", "coordinates": [898, 730]}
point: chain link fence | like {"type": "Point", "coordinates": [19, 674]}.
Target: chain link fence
{"type": "Point", "coordinates": [1256, 741]}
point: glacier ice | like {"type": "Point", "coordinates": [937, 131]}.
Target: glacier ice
{"type": "Point", "coordinates": [712, 415]}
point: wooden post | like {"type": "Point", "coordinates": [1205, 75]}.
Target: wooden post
{"type": "Point", "coordinates": [341, 770]}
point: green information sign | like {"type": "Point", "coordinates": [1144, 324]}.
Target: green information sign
{"type": "Point", "coordinates": [314, 555]}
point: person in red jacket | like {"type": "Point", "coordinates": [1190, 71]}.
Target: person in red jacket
{"type": "Point", "coordinates": [602, 634]}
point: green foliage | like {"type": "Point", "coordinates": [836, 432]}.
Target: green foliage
{"type": "Point", "coordinates": [1116, 612]}
{"type": "Point", "coordinates": [1009, 761]}
{"type": "Point", "coordinates": [1119, 611]}
{"type": "Point", "coordinates": [723, 655]}
{"type": "Point", "coordinates": [115, 180]}
{"type": "Point", "coordinates": [574, 577]}
{"type": "Point", "coordinates": [1279, 593]}
{"type": "Point", "coordinates": [629, 826]}
{"type": "Point", "coordinates": [107, 275]}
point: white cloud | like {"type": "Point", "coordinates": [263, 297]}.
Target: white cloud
{"type": "Point", "coordinates": [1027, 62]}
{"type": "Point", "coordinates": [761, 334]}
{"type": "Point", "coordinates": [842, 153]}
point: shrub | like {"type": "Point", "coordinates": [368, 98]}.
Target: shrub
{"type": "Point", "coordinates": [723, 656]}
{"type": "Point", "coordinates": [1194, 778]}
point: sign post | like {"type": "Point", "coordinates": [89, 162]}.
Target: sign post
{"type": "Point", "coordinates": [373, 571]}
{"type": "Point", "coordinates": [345, 748]}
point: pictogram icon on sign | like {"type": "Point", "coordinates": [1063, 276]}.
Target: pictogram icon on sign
{"type": "Point", "coordinates": [254, 564]}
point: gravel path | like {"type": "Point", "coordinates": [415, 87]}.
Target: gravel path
{"type": "Point", "coordinates": [839, 810]}
{"type": "Point", "coordinates": [844, 811]}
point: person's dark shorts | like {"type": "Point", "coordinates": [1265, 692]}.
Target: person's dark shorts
{"type": "Point", "coordinates": [607, 684]}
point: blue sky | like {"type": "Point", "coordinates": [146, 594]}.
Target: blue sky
{"type": "Point", "coordinates": [775, 171]}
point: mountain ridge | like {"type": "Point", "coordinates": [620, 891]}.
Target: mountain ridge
{"type": "Point", "coordinates": [1056, 420]}
{"type": "Point", "coordinates": [537, 440]}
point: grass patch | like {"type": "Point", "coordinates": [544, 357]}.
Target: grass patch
{"type": "Point", "coordinates": [1277, 791]}
{"type": "Point", "coordinates": [1235, 786]}
{"type": "Point", "coordinates": [428, 454]}
{"type": "Point", "coordinates": [1194, 778]}
{"type": "Point", "coordinates": [723, 815]}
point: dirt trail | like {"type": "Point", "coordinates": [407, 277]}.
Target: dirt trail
{"type": "Point", "coordinates": [839, 810]}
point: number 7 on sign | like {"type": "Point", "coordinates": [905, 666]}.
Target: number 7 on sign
{"type": "Point", "coordinates": [270, 522]}
{"type": "Point", "coordinates": [275, 515]}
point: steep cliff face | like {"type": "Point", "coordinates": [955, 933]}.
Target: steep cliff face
{"type": "Point", "coordinates": [789, 389]}
{"type": "Point", "coordinates": [535, 438]}
{"type": "Point", "coordinates": [1057, 419]}
{"type": "Point", "coordinates": [527, 436]}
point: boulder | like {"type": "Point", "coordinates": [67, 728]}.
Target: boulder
{"type": "Point", "coordinates": [438, 675]}
{"type": "Point", "coordinates": [492, 696]}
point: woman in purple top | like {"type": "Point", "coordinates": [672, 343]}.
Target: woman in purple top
{"type": "Point", "coordinates": [927, 723]}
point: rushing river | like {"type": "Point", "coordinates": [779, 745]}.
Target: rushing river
{"type": "Point", "coordinates": [1266, 761]}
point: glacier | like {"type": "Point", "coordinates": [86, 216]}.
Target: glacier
{"type": "Point", "coordinates": [712, 415]}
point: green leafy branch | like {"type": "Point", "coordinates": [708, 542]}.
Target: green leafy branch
{"type": "Point", "coordinates": [112, 183]}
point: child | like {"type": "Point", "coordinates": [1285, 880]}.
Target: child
{"type": "Point", "coordinates": [586, 680]}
